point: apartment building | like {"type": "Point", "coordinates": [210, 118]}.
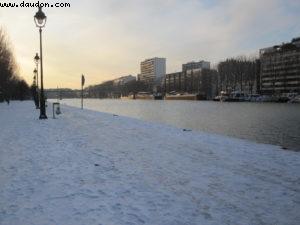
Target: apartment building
{"type": "Point", "coordinates": [194, 81]}
{"type": "Point", "coordinates": [195, 65]}
{"type": "Point", "coordinates": [173, 82]}
{"type": "Point", "coordinates": [280, 68]}
{"type": "Point", "coordinates": [153, 70]}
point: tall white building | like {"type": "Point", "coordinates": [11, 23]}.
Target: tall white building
{"type": "Point", "coordinates": [153, 70]}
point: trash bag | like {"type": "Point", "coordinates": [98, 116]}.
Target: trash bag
{"type": "Point", "coordinates": [58, 110]}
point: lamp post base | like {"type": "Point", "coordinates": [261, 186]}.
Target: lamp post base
{"type": "Point", "coordinates": [43, 117]}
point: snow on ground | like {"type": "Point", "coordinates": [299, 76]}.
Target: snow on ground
{"type": "Point", "coordinates": [93, 168]}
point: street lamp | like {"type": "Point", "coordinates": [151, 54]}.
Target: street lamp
{"type": "Point", "coordinates": [34, 80]}
{"type": "Point", "coordinates": [40, 21]}
{"type": "Point", "coordinates": [35, 77]}
{"type": "Point", "coordinates": [35, 94]}
{"type": "Point", "coordinates": [36, 85]}
{"type": "Point", "coordinates": [36, 60]}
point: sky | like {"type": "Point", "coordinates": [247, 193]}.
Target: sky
{"type": "Point", "coordinates": [106, 39]}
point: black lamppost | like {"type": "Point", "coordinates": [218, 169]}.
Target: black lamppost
{"type": "Point", "coordinates": [36, 85]}
{"type": "Point", "coordinates": [40, 21]}
{"type": "Point", "coordinates": [34, 77]}
{"type": "Point", "coordinates": [37, 60]}
{"type": "Point", "coordinates": [34, 90]}
{"type": "Point", "coordinates": [34, 80]}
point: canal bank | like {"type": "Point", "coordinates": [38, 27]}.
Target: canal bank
{"type": "Point", "coordinates": [88, 167]}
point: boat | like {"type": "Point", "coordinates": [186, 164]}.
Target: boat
{"type": "Point", "coordinates": [130, 96]}
{"type": "Point", "coordinates": [295, 99]}
{"type": "Point", "coordinates": [144, 96]}
{"type": "Point", "coordinates": [224, 96]}
{"type": "Point", "coordinates": [283, 99]}
{"type": "Point", "coordinates": [267, 98]}
{"type": "Point", "coordinates": [280, 98]}
{"type": "Point", "coordinates": [158, 96]}
{"type": "Point", "coordinates": [217, 98]}
{"type": "Point", "coordinates": [236, 96]}
{"type": "Point", "coordinates": [125, 97]}
{"type": "Point", "coordinates": [184, 96]}
{"type": "Point", "coordinates": [253, 98]}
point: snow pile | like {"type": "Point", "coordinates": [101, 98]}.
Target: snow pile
{"type": "Point", "coordinates": [93, 168]}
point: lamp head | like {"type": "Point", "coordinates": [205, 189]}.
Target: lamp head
{"type": "Point", "coordinates": [37, 58]}
{"type": "Point", "coordinates": [40, 18]}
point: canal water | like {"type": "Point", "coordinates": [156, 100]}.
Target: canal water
{"type": "Point", "coordinates": [269, 123]}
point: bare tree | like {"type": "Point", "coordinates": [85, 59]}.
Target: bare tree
{"type": "Point", "coordinates": [11, 86]}
{"type": "Point", "coordinates": [237, 74]}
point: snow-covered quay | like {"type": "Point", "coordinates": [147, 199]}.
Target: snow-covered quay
{"type": "Point", "coordinates": [91, 168]}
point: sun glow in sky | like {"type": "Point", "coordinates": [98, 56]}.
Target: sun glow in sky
{"type": "Point", "coordinates": [106, 39]}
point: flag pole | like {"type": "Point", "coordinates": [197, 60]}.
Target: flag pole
{"type": "Point", "coordinates": [81, 96]}
{"type": "Point", "coordinates": [82, 84]}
